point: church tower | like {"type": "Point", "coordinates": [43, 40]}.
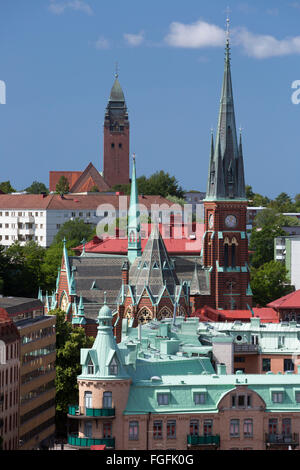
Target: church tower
{"type": "Point", "coordinates": [116, 138]}
{"type": "Point", "coordinates": [225, 249]}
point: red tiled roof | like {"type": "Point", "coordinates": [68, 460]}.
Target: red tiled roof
{"type": "Point", "coordinates": [71, 201]}
{"type": "Point", "coordinates": [291, 300]}
{"type": "Point", "coordinates": [267, 315]}
{"type": "Point", "coordinates": [120, 245]}
{"type": "Point", "coordinates": [54, 176]}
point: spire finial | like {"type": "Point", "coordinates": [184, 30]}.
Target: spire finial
{"type": "Point", "coordinates": [117, 70]}
{"type": "Point", "coordinates": [227, 25]}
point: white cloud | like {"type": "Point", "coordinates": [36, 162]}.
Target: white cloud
{"type": "Point", "coordinates": [102, 43]}
{"type": "Point", "coordinates": [202, 34]}
{"type": "Point", "coordinates": [76, 5]}
{"type": "Point", "coordinates": [195, 35]}
{"type": "Point", "coordinates": [263, 46]}
{"type": "Point", "coordinates": [134, 39]}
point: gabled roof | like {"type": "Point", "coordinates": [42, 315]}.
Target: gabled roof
{"type": "Point", "coordinates": [89, 177]}
{"type": "Point", "coordinates": [291, 300]}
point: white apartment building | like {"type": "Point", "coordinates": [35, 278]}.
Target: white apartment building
{"type": "Point", "coordinates": [287, 251]}
{"type": "Point", "coordinates": [37, 217]}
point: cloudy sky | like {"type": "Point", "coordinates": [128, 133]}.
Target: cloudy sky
{"type": "Point", "coordinates": [57, 59]}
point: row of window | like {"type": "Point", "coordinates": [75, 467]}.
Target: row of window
{"type": "Point", "coordinates": [21, 238]}
{"type": "Point", "coordinates": [9, 376]}
{"type": "Point", "coordinates": [21, 214]}
{"type": "Point", "coordinates": [38, 353]}
{"type": "Point", "coordinates": [37, 334]}
{"type": "Point", "coordinates": [38, 391]}
{"type": "Point", "coordinates": [288, 365]}
{"type": "Point", "coordinates": [10, 400]}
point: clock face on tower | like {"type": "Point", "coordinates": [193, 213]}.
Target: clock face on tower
{"type": "Point", "coordinates": [230, 221]}
{"type": "Point", "coordinates": [211, 220]}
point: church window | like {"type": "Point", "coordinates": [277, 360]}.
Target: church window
{"type": "Point", "coordinates": [120, 146]}
{"type": "Point", "coordinates": [226, 255]}
{"type": "Point", "coordinates": [233, 255]}
{"type": "Point", "coordinates": [112, 145]}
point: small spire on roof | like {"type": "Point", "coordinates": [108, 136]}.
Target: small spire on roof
{"type": "Point", "coordinates": [117, 70]}
{"type": "Point", "coordinates": [104, 297]}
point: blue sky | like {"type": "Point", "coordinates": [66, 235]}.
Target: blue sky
{"type": "Point", "coordinates": [57, 59]}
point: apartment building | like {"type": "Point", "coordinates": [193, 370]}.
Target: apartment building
{"type": "Point", "coordinates": [9, 383]}
{"type": "Point", "coordinates": [158, 389]}
{"type": "Point", "coordinates": [36, 378]}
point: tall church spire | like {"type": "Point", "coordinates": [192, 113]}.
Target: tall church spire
{"type": "Point", "coordinates": [226, 171]}
{"type": "Point", "coordinates": [134, 229]}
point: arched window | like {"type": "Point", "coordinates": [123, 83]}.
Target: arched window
{"type": "Point", "coordinates": [233, 253]}
{"type": "Point", "coordinates": [113, 367]}
{"type": "Point", "coordinates": [107, 400]}
{"type": "Point", "coordinates": [226, 259]}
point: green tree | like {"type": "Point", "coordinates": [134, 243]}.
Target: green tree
{"type": "Point", "coordinates": [160, 183]}
{"type": "Point", "coordinates": [269, 282]}
{"type": "Point", "coordinates": [22, 269]}
{"type": "Point", "coordinates": [74, 230]}
{"type": "Point", "coordinates": [37, 188]}
{"type": "Point", "coordinates": [62, 186]}
{"type": "Point", "coordinates": [69, 341]}
{"type": "Point", "coordinates": [282, 203]}
{"type": "Point", "coordinates": [6, 187]}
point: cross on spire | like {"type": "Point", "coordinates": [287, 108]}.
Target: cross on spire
{"type": "Point", "coordinates": [117, 70]}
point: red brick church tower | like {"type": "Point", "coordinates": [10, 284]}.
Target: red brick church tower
{"type": "Point", "coordinates": [225, 249]}
{"type": "Point", "coordinates": [116, 138]}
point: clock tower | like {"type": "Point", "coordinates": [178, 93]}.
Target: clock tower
{"type": "Point", "coordinates": [225, 247]}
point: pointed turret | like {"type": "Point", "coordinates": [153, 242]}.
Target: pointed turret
{"type": "Point", "coordinates": [134, 228]}
{"type": "Point", "coordinates": [226, 169]}
{"type": "Point", "coordinates": [154, 269]}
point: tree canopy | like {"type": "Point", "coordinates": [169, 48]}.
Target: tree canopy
{"type": "Point", "coordinates": [160, 183]}
{"type": "Point", "coordinates": [6, 187]}
{"type": "Point", "coordinates": [37, 188]}
{"type": "Point", "coordinates": [269, 282]}
{"type": "Point", "coordinates": [62, 186]}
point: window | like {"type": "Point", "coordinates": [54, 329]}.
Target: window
{"type": "Point", "coordinates": [207, 427]}
{"type": "Point", "coordinates": [281, 341]}
{"type": "Point", "coordinates": [254, 339]}
{"type": "Point", "coordinates": [199, 398]}
{"type": "Point", "coordinates": [163, 398]}
{"type": "Point", "coordinates": [171, 429]}
{"type": "Point", "coordinates": [120, 146]}
{"type": "Point", "coordinates": [273, 423]}
{"type": "Point", "coordinates": [107, 431]}
{"type": "Point", "coordinates": [249, 401]}
{"type": "Point", "coordinates": [88, 397]}
{"type": "Point", "coordinates": [57, 225]}
{"type": "Point", "coordinates": [286, 426]}
{"type": "Point", "coordinates": [194, 427]}
{"type": "Point", "coordinates": [112, 145]}
{"type": "Point", "coordinates": [266, 365]}
{"type": "Point", "coordinates": [90, 367]}
{"type": "Point", "coordinates": [88, 429]}
{"type": "Point", "coordinates": [277, 397]}
{"type": "Point", "coordinates": [226, 255]}
{"type": "Point", "coordinates": [297, 397]}
{"type": "Point", "coordinates": [239, 359]}
{"type": "Point", "coordinates": [107, 400]}
{"type": "Point", "coordinates": [157, 430]}
{"type": "Point", "coordinates": [248, 428]}
{"type": "Point", "coordinates": [234, 428]}
{"type": "Point", "coordinates": [288, 364]}
{"type": "Point", "coordinates": [241, 400]}
{"type": "Point", "coordinates": [113, 367]}
{"type": "Point", "coordinates": [133, 430]}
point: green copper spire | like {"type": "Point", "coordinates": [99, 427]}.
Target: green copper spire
{"type": "Point", "coordinates": [134, 228]}
{"type": "Point", "coordinates": [226, 169]}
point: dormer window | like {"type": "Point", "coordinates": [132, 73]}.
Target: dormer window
{"type": "Point", "coordinates": [113, 367]}
{"type": "Point", "coordinates": [90, 367]}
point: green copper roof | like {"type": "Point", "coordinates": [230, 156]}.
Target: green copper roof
{"type": "Point", "coordinates": [116, 93]}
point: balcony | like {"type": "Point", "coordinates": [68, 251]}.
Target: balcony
{"type": "Point", "coordinates": [82, 412]}
{"type": "Point", "coordinates": [210, 441]}
{"type": "Point", "coordinates": [246, 348]}
{"type": "Point", "coordinates": [282, 440]}
{"type": "Point", "coordinates": [74, 440]}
